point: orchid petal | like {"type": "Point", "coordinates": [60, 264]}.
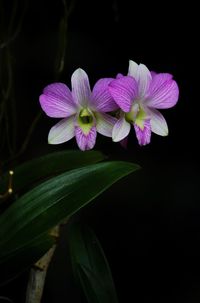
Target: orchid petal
{"type": "Point", "coordinates": [158, 123]}
{"type": "Point", "coordinates": [105, 124]}
{"type": "Point", "coordinates": [80, 87]}
{"type": "Point", "coordinates": [153, 74]}
{"type": "Point", "coordinates": [101, 98]}
{"type": "Point", "coordinates": [119, 75]}
{"type": "Point", "coordinates": [142, 75]}
{"type": "Point", "coordinates": [61, 132]}
{"type": "Point", "coordinates": [121, 130]}
{"type": "Point", "coordinates": [144, 80]}
{"type": "Point", "coordinates": [163, 92]}
{"type": "Point", "coordinates": [143, 134]}
{"type": "Point", "coordinates": [133, 69]}
{"type": "Point", "coordinates": [56, 101]}
{"type": "Point", "coordinates": [124, 91]}
{"type": "Point", "coordinates": [85, 141]}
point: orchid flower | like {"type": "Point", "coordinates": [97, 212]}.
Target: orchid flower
{"type": "Point", "coordinates": [83, 112]}
{"type": "Point", "coordinates": [139, 95]}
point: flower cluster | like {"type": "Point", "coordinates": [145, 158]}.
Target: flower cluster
{"type": "Point", "coordinates": [111, 107]}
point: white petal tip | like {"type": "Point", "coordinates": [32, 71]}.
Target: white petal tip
{"type": "Point", "coordinates": [51, 142]}
{"type": "Point", "coordinates": [132, 62]}
{"type": "Point", "coordinates": [79, 70]}
{"type": "Point", "coordinates": [115, 140]}
{"type": "Point", "coordinates": [163, 133]}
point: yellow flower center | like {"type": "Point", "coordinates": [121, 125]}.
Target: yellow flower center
{"type": "Point", "coordinates": [86, 120]}
{"type": "Point", "coordinates": [136, 115]}
{"type": "Point", "coordinates": [85, 116]}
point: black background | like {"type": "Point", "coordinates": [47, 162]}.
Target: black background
{"type": "Point", "coordinates": [149, 223]}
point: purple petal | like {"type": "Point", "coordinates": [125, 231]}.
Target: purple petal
{"type": "Point", "coordinates": [158, 123]}
{"type": "Point", "coordinates": [61, 132]}
{"type": "Point", "coordinates": [56, 101]}
{"type": "Point", "coordinates": [159, 79]}
{"type": "Point", "coordinates": [119, 75]}
{"type": "Point", "coordinates": [105, 124]}
{"type": "Point", "coordinates": [102, 100]}
{"type": "Point", "coordinates": [163, 92]}
{"type": "Point", "coordinates": [142, 75]}
{"type": "Point", "coordinates": [124, 91]}
{"type": "Point", "coordinates": [153, 74]}
{"type": "Point", "coordinates": [85, 142]}
{"type": "Point", "coordinates": [167, 75]}
{"type": "Point", "coordinates": [143, 135]}
{"type": "Point", "coordinates": [121, 130]}
{"type": "Point", "coordinates": [80, 87]}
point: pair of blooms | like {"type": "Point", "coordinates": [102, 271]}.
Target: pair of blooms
{"type": "Point", "coordinates": [134, 99]}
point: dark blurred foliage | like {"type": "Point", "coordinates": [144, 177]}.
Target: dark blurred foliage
{"type": "Point", "coordinates": [149, 224]}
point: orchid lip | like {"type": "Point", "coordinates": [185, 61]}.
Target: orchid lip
{"type": "Point", "coordinates": [86, 120]}
{"type": "Point", "coordinates": [132, 114]}
{"type": "Point", "coordinates": [85, 116]}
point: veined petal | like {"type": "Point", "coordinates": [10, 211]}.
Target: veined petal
{"type": "Point", "coordinates": [101, 99]}
{"type": "Point", "coordinates": [163, 92]}
{"type": "Point", "coordinates": [80, 87]}
{"type": "Point", "coordinates": [121, 130]}
{"type": "Point", "coordinates": [144, 80]}
{"type": "Point", "coordinates": [124, 91]}
{"type": "Point", "coordinates": [153, 74]}
{"type": "Point", "coordinates": [133, 69]}
{"type": "Point", "coordinates": [142, 75]}
{"type": "Point", "coordinates": [119, 75]}
{"type": "Point", "coordinates": [56, 101]}
{"type": "Point", "coordinates": [143, 134]}
{"type": "Point", "coordinates": [85, 142]}
{"type": "Point", "coordinates": [158, 123]}
{"type": "Point", "coordinates": [61, 132]}
{"type": "Point", "coordinates": [161, 77]}
{"type": "Point", "coordinates": [105, 124]}
{"type": "Point", "coordinates": [165, 76]}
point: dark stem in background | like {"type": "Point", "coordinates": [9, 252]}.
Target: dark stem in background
{"type": "Point", "coordinates": [28, 136]}
{"type": "Point", "coordinates": [9, 189]}
{"type": "Point", "coordinates": [12, 34]}
{"type": "Point", "coordinates": [5, 299]}
{"type": "Point", "coordinates": [62, 38]}
{"type": "Point", "coordinates": [59, 67]}
{"type": "Point", "coordinates": [9, 33]}
{"type": "Point", "coordinates": [37, 274]}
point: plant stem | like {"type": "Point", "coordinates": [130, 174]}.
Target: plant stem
{"type": "Point", "coordinates": [37, 278]}
{"type": "Point", "coordinates": [38, 272]}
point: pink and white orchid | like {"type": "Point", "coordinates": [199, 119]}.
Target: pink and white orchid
{"type": "Point", "coordinates": [139, 95]}
{"type": "Point", "coordinates": [83, 111]}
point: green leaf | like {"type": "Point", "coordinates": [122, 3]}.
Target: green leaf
{"type": "Point", "coordinates": [52, 201]}
{"type": "Point", "coordinates": [90, 266]}
{"type": "Point", "coordinates": [49, 165]}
